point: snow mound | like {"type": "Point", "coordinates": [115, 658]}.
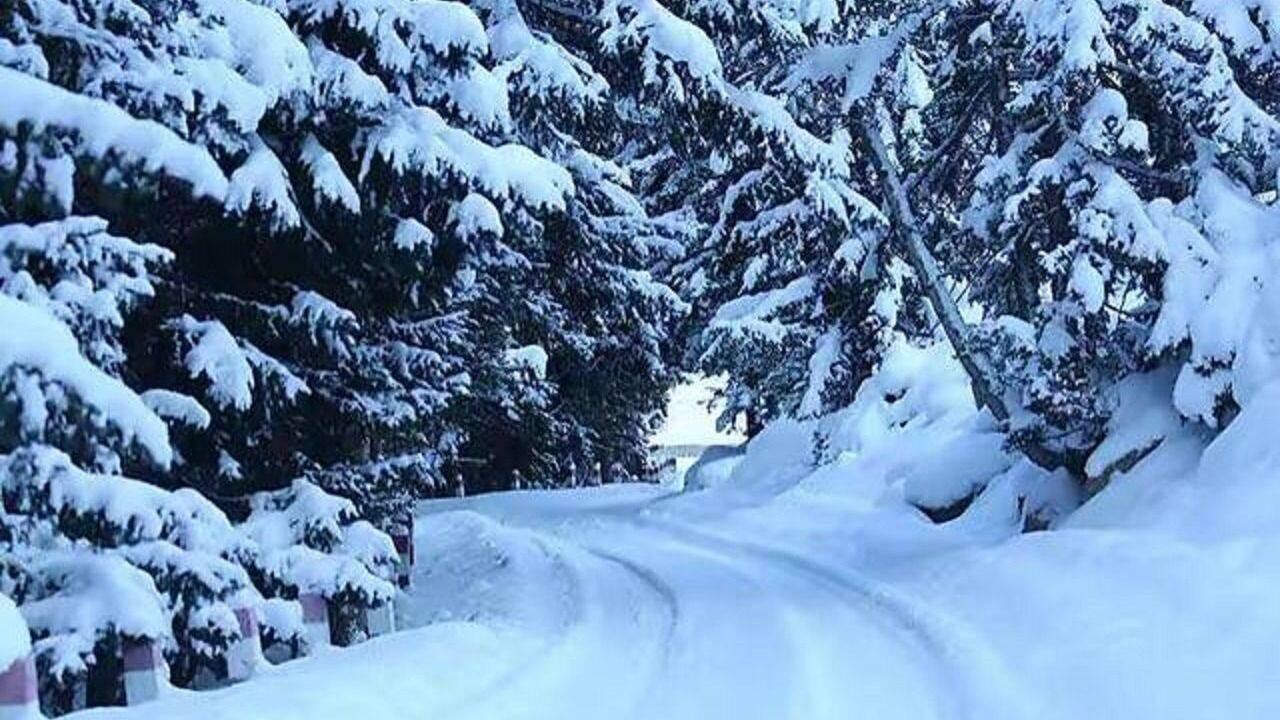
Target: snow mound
{"type": "Point", "coordinates": [470, 568]}
{"type": "Point", "coordinates": [912, 434]}
{"type": "Point", "coordinates": [1199, 491]}
{"type": "Point", "coordinates": [713, 468]}
{"type": "Point", "coordinates": [1153, 628]}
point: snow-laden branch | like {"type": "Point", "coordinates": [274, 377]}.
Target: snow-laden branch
{"type": "Point", "coordinates": [977, 364]}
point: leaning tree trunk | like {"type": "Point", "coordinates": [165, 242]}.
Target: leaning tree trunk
{"type": "Point", "coordinates": [975, 361]}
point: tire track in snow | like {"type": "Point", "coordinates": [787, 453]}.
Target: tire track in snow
{"type": "Point", "coordinates": [549, 685]}
{"type": "Point", "coordinates": [574, 604]}
{"type": "Point", "coordinates": [656, 584]}
{"type": "Point", "coordinates": [820, 647]}
{"type": "Point", "coordinates": [730, 648]}
{"type": "Point", "coordinates": [806, 624]}
{"type": "Point", "coordinates": [758, 644]}
{"type": "Point", "coordinates": [953, 650]}
{"type": "Point", "coordinates": [772, 613]}
{"type": "Point", "coordinates": [667, 595]}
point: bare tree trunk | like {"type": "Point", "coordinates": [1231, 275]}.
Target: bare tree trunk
{"type": "Point", "coordinates": [907, 232]}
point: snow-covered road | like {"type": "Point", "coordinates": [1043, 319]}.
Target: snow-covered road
{"type": "Point", "coordinates": [670, 622]}
{"type": "Point", "coordinates": [600, 604]}
{"type": "Point", "coordinates": [634, 602]}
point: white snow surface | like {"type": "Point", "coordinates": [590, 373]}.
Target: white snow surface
{"type": "Point", "coordinates": [529, 357]}
{"type": "Point", "coordinates": [217, 357]}
{"type": "Point", "coordinates": [176, 407]}
{"type": "Point", "coordinates": [15, 639]}
{"type": "Point", "coordinates": [805, 586]}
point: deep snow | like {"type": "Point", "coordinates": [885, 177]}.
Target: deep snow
{"type": "Point", "coordinates": [628, 602]}
{"type": "Point", "coordinates": [805, 586]}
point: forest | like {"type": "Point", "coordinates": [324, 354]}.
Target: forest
{"type": "Point", "coordinates": [277, 274]}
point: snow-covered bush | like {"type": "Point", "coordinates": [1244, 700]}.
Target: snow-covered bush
{"type": "Point", "coordinates": [102, 561]}
{"type": "Point", "coordinates": [83, 609]}
{"type": "Point", "coordinates": [310, 543]}
{"type": "Point", "coordinates": [82, 540]}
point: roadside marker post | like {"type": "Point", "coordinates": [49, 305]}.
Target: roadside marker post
{"type": "Point", "coordinates": [245, 654]}
{"type": "Point", "coordinates": [143, 665]}
{"type": "Point", "coordinates": [380, 619]}
{"type": "Point", "coordinates": [402, 536]}
{"type": "Point", "coordinates": [19, 696]}
{"type": "Point", "coordinates": [315, 617]}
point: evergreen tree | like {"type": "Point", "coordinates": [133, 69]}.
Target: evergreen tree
{"type": "Point", "coordinates": [1076, 176]}
{"type": "Point", "coordinates": [113, 112]}
{"type": "Point", "coordinates": [588, 322]}
{"type": "Point", "coordinates": [794, 293]}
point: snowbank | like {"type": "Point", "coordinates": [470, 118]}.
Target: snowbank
{"type": "Point", "coordinates": [1157, 594]}
{"type": "Point", "coordinates": [472, 568]}
{"type": "Point", "coordinates": [1221, 491]}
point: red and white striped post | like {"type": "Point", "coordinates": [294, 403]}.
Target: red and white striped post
{"type": "Point", "coordinates": [380, 619]}
{"type": "Point", "coordinates": [19, 699]}
{"type": "Point", "coordinates": [402, 536]}
{"type": "Point", "coordinates": [315, 618]}
{"type": "Point", "coordinates": [143, 665]}
{"type": "Point", "coordinates": [245, 654]}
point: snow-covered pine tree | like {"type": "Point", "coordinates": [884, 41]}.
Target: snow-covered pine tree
{"type": "Point", "coordinates": [293, 319]}
{"type": "Point", "coordinates": [590, 324]}
{"type": "Point", "coordinates": [322, 313]}
{"type": "Point", "coordinates": [457, 211]}
{"type": "Point", "coordinates": [95, 560]}
{"type": "Point", "coordinates": [803, 291]}
{"type": "Point", "coordinates": [1089, 175]}
{"type": "Point", "coordinates": [106, 108]}
{"type": "Point", "coordinates": [792, 289]}
{"type": "Point", "coordinates": [378, 257]}
{"type": "Point", "coordinates": [78, 543]}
